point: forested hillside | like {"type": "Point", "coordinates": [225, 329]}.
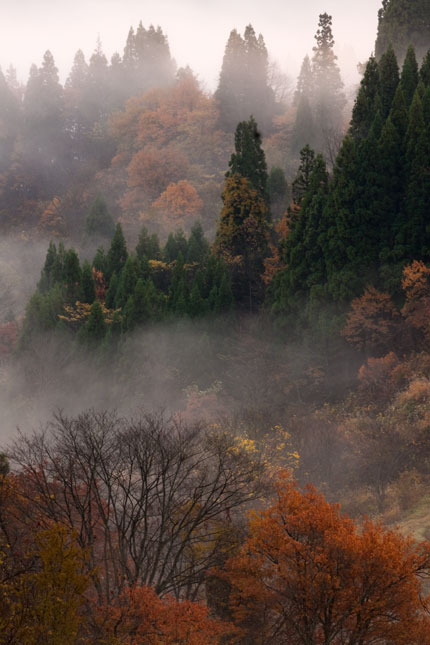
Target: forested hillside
{"type": "Point", "coordinates": [215, 343]}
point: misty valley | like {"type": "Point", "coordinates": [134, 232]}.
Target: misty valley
{"type": "Point", "coordinates": [215, 345]}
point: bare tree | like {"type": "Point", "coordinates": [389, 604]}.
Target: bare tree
{"type": "Point", "coordinates": [149, 498]}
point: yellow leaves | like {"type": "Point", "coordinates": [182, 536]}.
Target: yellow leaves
{"type": "Point", "coordinates": [79, 313]}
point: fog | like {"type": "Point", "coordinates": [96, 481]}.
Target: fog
{"type": "Point", "coordinates": [197, 30]}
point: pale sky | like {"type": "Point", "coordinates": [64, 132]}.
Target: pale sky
{"type": "Point", "coordinates": [197, 30]}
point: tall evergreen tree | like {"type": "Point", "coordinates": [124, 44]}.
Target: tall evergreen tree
{"type": "Point", "coordinates": [117, 254]}
{"type": "Point", "coordinates": [409, 76]}
{"type": "Point", "coordinates": [402, 23]}
{"type": "Point", "coordinates": [367, 101]}
{"type": "Point", "coordinates": [243, 87]}
{"type": "Point", "coordinates": [388, 80]}
{"type": "Point", "coordinates": [249, 159]}
{"type": "Point", "coordinates": [99, 222]}
{"type": "Point", "coordinates": [329, 99]}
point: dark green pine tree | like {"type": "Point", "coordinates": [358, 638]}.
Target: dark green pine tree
{"type": "Point", "coordinates": [170, 250]}
{"type": "Point", "coordinates": [47, 278]}
{"type": "Point", "coordinates": [95, 328]}
{"type": "Point", "coordinates": [178, 297]}
{"type": "Point", "coordinates": [417, 220]}
{"type": "Point", "coordinates": [301, 183]}
{"type": "Point", "coordinates": [402, 23]}
{"type": "Point", "coordinates": [425, 70]}
{"type": "Point", "coordinates": [366, 103]}
{"type": "Point", "coordinates": [72, 275]}
{"type": "Point", "coordinates": [117, 254]}
{"type": "Point", "coordinates": [148, 246]}
{"type": "Point", "coordinates": [352, 243]}
{"type": "Point", "coordinates": [196, 305]}
{"type": "Point", "coordinates": [409, 76]}
{"type": "Point", "coordinates": [301, 251]}
{"type": "Point", "coordinates": [100, 260]}
{"type": "Point", "coordinates": [248, 159]}
{"type": "Point", "coordinates": [388, 80]}
{"type": "Point", "coordinates": [99, 222]}
{"type": "Point", "coordinates": [88, 293]}
{"type": "Point", "coordinates": [198, 247]}
{"type": "Point", "coordinates": [230, 93]}
{"type": "Point", "coordinates": [112, 291]}
{"type": "Point", "coordinates": [224, 298]}
{"type": "Point", "coordinates": [392, 179]}
{"type": "Point", "coordinates": [127, 282]}
{"type": "Point", "coordinates": [304, 131]}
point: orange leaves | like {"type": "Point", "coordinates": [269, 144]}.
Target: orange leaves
{"type": "Point", "coordinates": [416, 285]}
{"type": "Point", "coordinates": [372, 321]}
{"type": "Point", "coordinates": [141, 616]}
{"type": "Point", "coordinates": [151, 169]}
{"type": "Point", "coordinates": [307, 574]}
{"type": "Point", "coordinates": [179, 202]}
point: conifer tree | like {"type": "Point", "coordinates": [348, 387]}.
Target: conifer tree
{"type": "Point", "coordinates": [198, 246]}
{"type": "Point", "coordinates": [243, 87]}
{"type": "Point", "coordinates": [367, 101]}
{"type": "Point", "coordinates": [242, 238]}
{"type": "Point", "coordinates": [112, 291]}
{"type": "Point", "coordinates": [117, 254]}
{"type": "Point", "coordinates": [302, 181]}
{"type": "Point", "coordinates": [100, 260]}
{"type": "Point", "coordinates": [402, 23]}
{"type": "Point", "coordinates": [88, 293]}
{"type": "Point", "coordinates": [388, 80]}
{"type": "Point", "coordinates": [409, 76]}
{"type": "Point", "coordinates": [148, 245]}
{"type": "Point", "coordinates": [72, 275]}
{"type": "Point", "coordinates": [248, 159]}
{"type": "Point", "coordinates": [99, 222]}
{"type": "Point", "coordinates": [95, 328]}
{"type": "Point", "coordinates": [329, 99]}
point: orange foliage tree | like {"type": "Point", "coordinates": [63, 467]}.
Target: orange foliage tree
{"type": "Point", "coordinates": [372, 322]}
{"type": "Point", "coordinates": [179, 203]}
{"type": "Point", "coordinates": [416, 286]}
{"type": "Point", "coordinates": [306, 574]}
{"type": "Point", "coordinates": [140, 616]}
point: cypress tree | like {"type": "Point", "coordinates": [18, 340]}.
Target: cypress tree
{"type": "Point", "coordinates": [365, 104]}
{"type": "Point", "coordinates": [301, 183]}
{"type": "Point", "coordinates": [409, 77]}
{"type": "Point", "coordinates": [198, 246]}
{"type": "Point", "coordinates": [112, 291]}
{"type": "Point", "coordinates": [99, 222]}
{"type": "Point", "coordinates": [127, 282]}
{"type": "Point", "coordinates": [425, 70]}
{"type": "Point", "coordinates": [248, 159]}
{"type": "Point", "coordinates": [95, 328]}
{"type": "Point", "coordinates": [148, 245]}
{"type": "Point", "coordinates": [196, 305]}
{"type": "Point", "coordinates": [388, 80]}
{"type": "Point", "coordinates": [88, 293]}
{"type": "Point", "coordinates": [72, 275]}
{"type": "Point", "coordinates": [117, 254]}
{"type": "Point", "coordinates": [100, 260]}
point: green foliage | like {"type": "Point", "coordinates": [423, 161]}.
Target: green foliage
{"type": "Point", "coordinates": [99, 222]}
{"type": "Point", "coordinates": [88, 293]}
{"type": "Point", "coordinates": [117, 254]}
{"type": "Point", "coordinates": [403, 23]}
{"type": "Point", "coordinates": [95, 328]}
{"type": "Point", "coordinates": [243, 87]}
{"type": "Point", "coordinates": [148, 245]}
{"type": "Point", "coordinates": [248, 159]}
